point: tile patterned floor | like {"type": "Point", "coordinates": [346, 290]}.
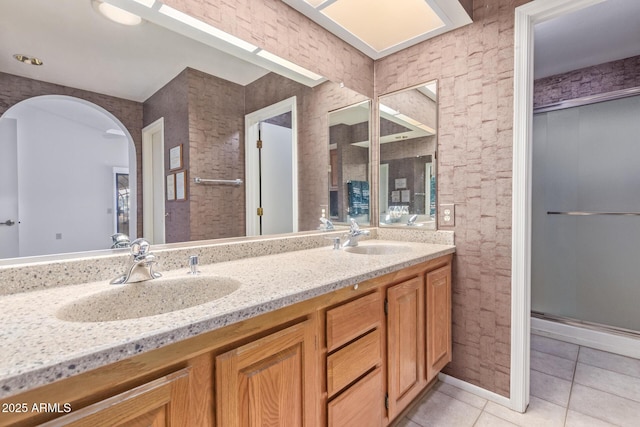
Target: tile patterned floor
{"type": "Point", "coordinates": [571, 386]}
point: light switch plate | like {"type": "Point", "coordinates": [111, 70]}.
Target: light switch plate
{"type": "Point", "coordinates": [447, 215]}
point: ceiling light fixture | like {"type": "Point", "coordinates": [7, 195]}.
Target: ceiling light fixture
{"type": "Point", "coordinates": [27, 59]}
{"type": "Point", "coordinates": [290, 65]}
{"type": "Point", "coordinates": [206, 28]}
{"type": "Point", "coordinates": [116, 14]}
{"type": "Point", "coordinates": [147, 3]}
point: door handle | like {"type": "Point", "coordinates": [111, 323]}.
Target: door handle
{"type": "Point", "coordinates": [8, 222]}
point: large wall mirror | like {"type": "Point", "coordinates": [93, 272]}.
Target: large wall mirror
{"type": "Point", "coordinates": [146, 129]}
{"type": "Point", "coordinates": [408, 145]}
{"type": "Point", "coordinates": [349, 142]}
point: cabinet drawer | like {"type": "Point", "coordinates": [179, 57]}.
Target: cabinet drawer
{"type": "Point", "coordinates": [361, 405]}
{"type": "Point", "coordinates": [349, 321]}
{"type": "Point", "coordinates": [352, 361]}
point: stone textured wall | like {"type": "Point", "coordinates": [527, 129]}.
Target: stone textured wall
{"type": "Point", "coordinates": [172, 103]}
{"type": "Point", "coordinates": [14, 89]}
{"type": "Point", "coordinates": [216, 151]}
{"type": "Point", "coordinates": [602, 78]}
{"type": "Point", "coordinates": [474, 68]}
{"type": "Point", "coordinates": [280, 29]}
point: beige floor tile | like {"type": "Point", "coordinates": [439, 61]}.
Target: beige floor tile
{"type": "Point", "coordinates": [488, 420]}
{"type": "Point", "coordinates": [610, 361]}
{"type": "Point", "coordinates": [464, 396]}
{"type": "Point", "coordinates": [406, 422]}
{"type": "Point", "coordinates": [576, 419]}
{"type": "Point", "coordinates": [550, 388]}
{"type": "Point", "coordinates": [552, 365]}
{"type": "Point", "coordinates": [611, 382]}
{"type": "Point", "coordinates": [439, 410]}
{"type": "Point", "coordinates": [539, 413]}
{"type": "Point", "coordinates": [557, 348]}
{"type": "Point", "coordinates": [604, 406]}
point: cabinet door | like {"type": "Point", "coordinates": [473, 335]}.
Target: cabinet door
{"type": "Point", "coordinates": [268, 382]}
{"type": "Point", "coordinates": [405, 343]}
{"type": "Point", "coordinates": [159, 403]}
{"type": "Point", "coordinates": [438, 320]}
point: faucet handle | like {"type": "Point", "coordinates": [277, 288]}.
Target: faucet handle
{"type": "Point", "coordinates": [193, 264]}
{"type": "Point", "coordinates": [140, 248]}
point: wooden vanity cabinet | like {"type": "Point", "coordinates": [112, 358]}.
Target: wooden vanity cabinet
{"type": "Point", "coordinates": [269, 382]}
{"type": "Point", "coordinates": [336, 360]}
{"type": "Point", "coordinates": [159, 403]}
{"type": "Point", "coordinates": [438, 320]}
{"type": "Point", "coordinates": [354, 380]}
{"type": "Point", "coordinates": [405, 343]}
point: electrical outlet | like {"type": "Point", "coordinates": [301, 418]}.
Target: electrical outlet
{"type": "Point", "coordinates": [58, 236]}
{"type": "Point", "coordinates": [447, 215]}
{"type": "Point", "coordinates": [324, 211]}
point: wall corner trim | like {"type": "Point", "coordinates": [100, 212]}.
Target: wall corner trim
{"type": "Point", "coordinates": [526, 16]}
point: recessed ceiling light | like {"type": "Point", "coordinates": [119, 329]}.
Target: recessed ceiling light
{"type": "Point", "coordinates": [206, 28]}
{"type": "Point", "coordinates": [288, 64]}
{"type": "Point", "coordinates": [27, 59]}
{"type": "Point", "coordinates": [116, 14]}
{"type": "Point", "coordinates": [365, 19]}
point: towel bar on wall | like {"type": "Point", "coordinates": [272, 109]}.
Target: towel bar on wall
{"type": "Point", "coordinates": [582, 213]}
{"type": "Point", "coordinates": [199, 180]}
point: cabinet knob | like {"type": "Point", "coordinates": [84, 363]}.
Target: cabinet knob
{"type": "Point", "coordinates": [355, 287]}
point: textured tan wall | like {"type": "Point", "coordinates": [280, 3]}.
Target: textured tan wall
{"type": "Point", "coordinates": [602, 78]}
{"type": "Point", "coordinates": [216, 151]}
{"type": "Point", "coordinates": [474, 67]}
{"type": "Point", "coordinates": [172, 103]}
{"type": "Point", "coordinates": [14, 89]}
{"type": "Point", "coordinates": [280, 29]}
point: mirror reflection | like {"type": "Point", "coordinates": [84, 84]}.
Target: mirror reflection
{"type": "Point", "coordinates": [408, 144]}
{"type": "Point", "coordinates": [140, 112]}
{"type": "Point", "coordinates": [349, 163]}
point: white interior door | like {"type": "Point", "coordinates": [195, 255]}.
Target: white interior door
{"type": "Point", "coordinates": [277, 182]}
{"type": "Point", "coordinates": [153, 182]}
{"type": "Point", "coordinates": [9, 241]}
{"type": "Point", "coordinates": [280, 181]}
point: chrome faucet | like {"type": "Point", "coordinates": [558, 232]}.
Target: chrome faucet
{"type": "Point", "coordinates": [326, 225]}
{"type": "Point", "coordinates": [141, 268]}
{"type": "Point", "coordinates": [193, 265]}
{"type": "Point", "coordinates": [120, 240]}
{"type": "Point", "coordinates": [354, 234]}
{"type": "Point", "coordinates": [412, 220]}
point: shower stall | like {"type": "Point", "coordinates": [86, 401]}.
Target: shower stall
{"type": "Point", "coordinates": [586, 212]}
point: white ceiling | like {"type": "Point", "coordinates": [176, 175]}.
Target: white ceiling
{"type": "Point", "coordinates": [601, 33]}
{"type": "Point", "coordinates": [82, 49]}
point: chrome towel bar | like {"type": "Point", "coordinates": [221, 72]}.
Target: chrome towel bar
{"type": "Point", "coordinates": [582, 213]}
{"type": "Point", "coordinates": [199, 180]}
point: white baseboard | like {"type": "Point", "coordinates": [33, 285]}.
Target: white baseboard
{"type": "Point", "coordinates": [605, 341]}
{"type": "Point", "coordinates": [474, 389]}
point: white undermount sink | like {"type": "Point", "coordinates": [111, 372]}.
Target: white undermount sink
{"type": "Point", "coordinates": [377, 249]}
{"type": "Point", "coordinates": [148, 298]}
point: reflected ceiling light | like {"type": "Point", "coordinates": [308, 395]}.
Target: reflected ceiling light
{"type": "Point", "coordinates": [32, 60]}
{"type": "Point", "coordinates": [388, 110]}
{"type": "Point", "coordinates": [409, 120]}
{"type": "Point", "coordinates": [116, 14]}
{"type": "Point", "coordinates": [148, 3]}
{"type": "Point", "coordinates": [205, 28]}
{"type": "Point", "coordinates": [113, 133]}
{"type": "Point", "coordinates": [316, 3]}
{"type": "Point", "coordinates": [290, 65]}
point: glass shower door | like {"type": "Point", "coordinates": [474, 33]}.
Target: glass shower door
{"type": "Point", "coordinates": [586, 213]}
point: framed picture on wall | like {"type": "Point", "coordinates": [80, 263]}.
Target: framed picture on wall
{"type": "Point", "coordinates": [171, 186]}
{"type": "Point", "coordinates": [181, 185]}
{"type": "Point", "coordinates": [175, 157]}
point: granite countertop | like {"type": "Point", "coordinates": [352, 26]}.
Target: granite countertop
{"type": "Point", "coordinates": [38, 348]}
